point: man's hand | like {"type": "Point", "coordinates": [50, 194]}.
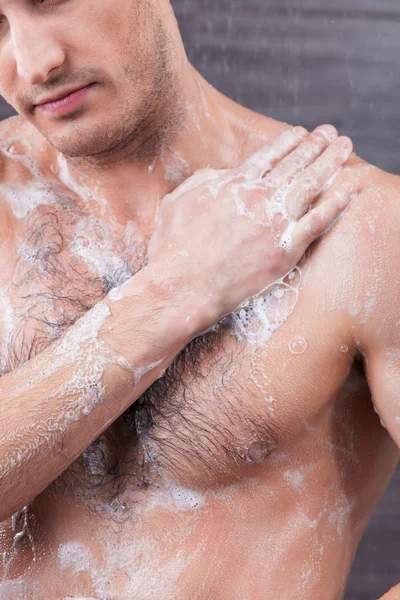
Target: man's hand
{"type": "Point", "coordinates": [233, 233]}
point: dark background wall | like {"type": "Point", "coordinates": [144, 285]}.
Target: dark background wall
{"type": "Point", "coordinates": [308, 62]}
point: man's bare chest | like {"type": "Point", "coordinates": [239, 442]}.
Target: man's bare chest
{"type": "Point", "coordinates": [231, 407]}
{"type": "Point", "coordinates": [197, 418]}
{"type": "Point", "coordinates": [220, 410]}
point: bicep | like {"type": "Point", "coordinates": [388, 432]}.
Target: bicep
{"type": "Point", "coordinates": [375, 298]}
{"type": "Point", "coordinates": [383, 373]}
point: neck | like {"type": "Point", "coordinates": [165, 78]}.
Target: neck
{"type": "Point", "coordinates": [213, 132]}
{"type": "Point", "coordinates": [208, 136]}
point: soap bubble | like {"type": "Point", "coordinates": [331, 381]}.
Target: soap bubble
{"type": "Point", "coordinates": [298, 345]}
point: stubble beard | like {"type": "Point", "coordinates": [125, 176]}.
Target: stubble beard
{"type": "Point", "coordinates": [136, 135]}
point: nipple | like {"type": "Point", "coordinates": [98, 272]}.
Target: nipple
{"type": "Point", "coordinates": [256, 453]}
{"type": "Point", "coordinates": [298, 345]}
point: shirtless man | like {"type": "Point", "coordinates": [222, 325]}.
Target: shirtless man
{"type": "Point", "coordinates": [248, 471]}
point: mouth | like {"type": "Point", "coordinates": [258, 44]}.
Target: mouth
{"type": "Point", "coordinates": [65, 102]}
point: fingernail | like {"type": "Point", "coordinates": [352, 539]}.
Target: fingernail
{"type": "Point", "coordinates": [300, 131]}
{"type": "Point", "coordinates": [329, 132]}
{"type": "Point", "coordinates": [347, 147]}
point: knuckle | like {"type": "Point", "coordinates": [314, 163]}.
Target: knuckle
{"type": "Point", "coordinates": [272, 182]}
{"type": "Point", "coordinates": [311, 149]}
{"type": "Point", "coordinates": [348, 188]}
{"type": "Point", "coordinates": [352, 180]}
{"type": "Point", "coordinates": [262, 160]}
{"type": "Point", "coordinates": [318, 222]}
{"type": "Point", "coordinates": [312, 181]}
{"type": "Point", "coordinates": [277, 258]}
{"type": "Point", "coordinates": [234, 179]}
{"type": "Point", "coordinates": [297, 161]}
{"type": "Point", "coordinates": [255, 196]}
{"type": "Point", "coordinates": [319, 142]}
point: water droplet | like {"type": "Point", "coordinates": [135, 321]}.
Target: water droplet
{"type": "Point", "coordinates": [298, 345]}
{"type": "Point", "coordinates": [398, 324]}
{"type": "Point", "coordinates": [279, 293]}
{"type": "Point", "coordinates": [89, 195]}
{"type": "Point", "coordinates": [344, 348]}
{"type": "Point", "coordinates": [292, 275]}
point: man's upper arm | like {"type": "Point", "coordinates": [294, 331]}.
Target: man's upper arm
{"type": "Point", "coordinates": [377, 325]}
{"type": "Point", "coordinates": [383, 372]}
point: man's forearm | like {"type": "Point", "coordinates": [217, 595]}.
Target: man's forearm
{"type": "Point", "coordinates": [55, 405]}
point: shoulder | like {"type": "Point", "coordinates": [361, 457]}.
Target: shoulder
{"type": "Point", "coordinates": [353, 269]}
{"type": "Point", "coordinates": [13, 129]}
{"type": "Point", "coordinates": [18, 142]}
{"type": "Point", "coordinates": [16, 160]}
{"type": "Point", "coordinates": [359, 258]}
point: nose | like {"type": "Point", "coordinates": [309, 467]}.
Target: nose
{"type": "Point", "coordinates": [36, 52]}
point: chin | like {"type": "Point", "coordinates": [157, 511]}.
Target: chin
{"type": "Point", "coordinates": [79, 144]}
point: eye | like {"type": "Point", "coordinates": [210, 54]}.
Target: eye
{"type": "Point", "coordinates": [49, 2]}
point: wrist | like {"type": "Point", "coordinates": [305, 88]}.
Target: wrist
{"type": "Point", "coordinates": [154, 315]}
{"type": "Point", "coordinates": [189, 305]}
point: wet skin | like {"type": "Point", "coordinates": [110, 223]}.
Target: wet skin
{"type": "Point", "coordinates": [248, 472]}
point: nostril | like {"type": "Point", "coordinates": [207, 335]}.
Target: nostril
{"type": "Point", "coordinates": [36, 57]}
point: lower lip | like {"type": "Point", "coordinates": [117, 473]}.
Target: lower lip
{"type": "Point", "coordinates": [68, 103]}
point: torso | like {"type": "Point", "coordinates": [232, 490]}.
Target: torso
{"type": "Point", "coordinates": [247, 473]}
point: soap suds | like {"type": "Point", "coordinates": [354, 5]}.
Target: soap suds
{"type": "Point", "coordinates": [7, 324]}
{"type": "Point", "coordinates": [23, 199]}
{"type": "Point", "coordinates": [255, 321]}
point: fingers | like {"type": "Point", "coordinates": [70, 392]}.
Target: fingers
{"type": "Point", "coordinates": [320, 219]}
{"type": "Point", "coordinates": [265, 159]}
{"type": "Point", "coordinates": [311, 182]}
{"type": "Point", "coordinates": [200, 177]}
{"type": "Point", "coordinates": [304, 156]}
